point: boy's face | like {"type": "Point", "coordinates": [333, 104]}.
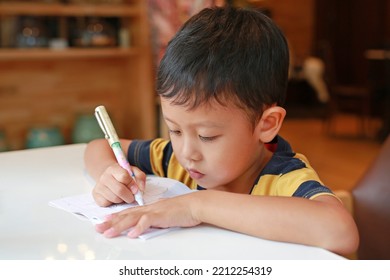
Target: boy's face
{"type": "Point", "coordinates": [216, 144]}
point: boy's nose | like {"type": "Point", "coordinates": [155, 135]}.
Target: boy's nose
{"type": "Point", "coordinates": [190, 150]}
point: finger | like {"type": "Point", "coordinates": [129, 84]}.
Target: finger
{"type": "Point", "coordinates": [115, 191]}
{"type": "Point", "coordinates": [120, 174]}
{"type": "Point", "coordinates": [100, 199]}
{"type": "Point", "coordinates": [144, 223]}
{"type": "Point", "coordinates": [140, 177]}
{"type": "Point", "coordinates": [105, 195]}
{"type": "Point", "coordinates": [127, 187]}
{"type": "Point", "coordinates": [120, 222]}
{"type": "Point", "coordinates": [106, 224]}
{"type": "Point", "coordinates": [103, 227]}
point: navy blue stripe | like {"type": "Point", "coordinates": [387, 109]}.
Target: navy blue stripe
{"type": "Point", "coordinates": [283, 160]}
{"type": "Point", "coordinates": [282, 163]}
{"type": "Point", "coordinates": [139, 155]}
{"type": "Point", "coordinates": [167, 153]}
{"type": "Point", "coordinates": [283, 145]}
{"type": "Point", "coordinates": [310, 188]}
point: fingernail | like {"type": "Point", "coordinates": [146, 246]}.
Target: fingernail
{"type": "Point", "coordinates": [108, 217]}
{"type": "Point", "coordinates": [143, 186]}
{"type": "Point", "coordinates": [132, 233]}
{"type": "Point", "coordinates": [110, 232]}
{"type": "Point", "coordinates": [134, 189]}
{"type": "Point", "coordinates": [98, 227]}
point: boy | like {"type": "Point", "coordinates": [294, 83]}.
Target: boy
{"type": "Point", "coordinates": [221, 84]}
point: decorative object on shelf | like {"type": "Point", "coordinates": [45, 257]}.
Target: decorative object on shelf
{"type": "Point", "coordinates": [58, 43]}
{"type": "Point", "coordinates": [3, 142]}
{"type": "Point", "coordinates": [97, 33]}
{"type": "Point", "coordinates": [86, 128]}
{"type": "Point", "coordinates": [124, 38]}
{"type": "Point", "coordinates": [38, 137]}
{"type": "Point", "coordinates": [44, 86]}
{"type": "Point", "coordinates": [31, 33]}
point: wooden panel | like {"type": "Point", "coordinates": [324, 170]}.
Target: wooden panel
{"type": "Point", "coordinates": [39, 9]}
{"type": "Point", "coordinates": [44, 53]}
{"type": "Point", "coordinates": [53, 93]}
{"type": "Point", "coordinates": [296, 19]}
{"type": "Point", "coordinates": [351, 27]}
{"type": "Point", "coordinates": [45, 87]}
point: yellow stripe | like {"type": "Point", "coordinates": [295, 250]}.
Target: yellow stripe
{"type": "Point", "coordinates": [156, 156]}
{"type": "Point", "coordinates": [175, 170]}
{"type": "Point", "coordinates": [285, 184]}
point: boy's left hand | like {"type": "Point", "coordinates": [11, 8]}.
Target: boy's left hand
{"type": "Point", "coordinates": [170, 212]}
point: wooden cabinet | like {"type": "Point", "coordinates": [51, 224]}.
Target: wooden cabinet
{"type": "Point", "coordinates": [45, 86]}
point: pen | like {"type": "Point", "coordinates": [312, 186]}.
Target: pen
{"type": "Point", "coordinates": [112, 138]}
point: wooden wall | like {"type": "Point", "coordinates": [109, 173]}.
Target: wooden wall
{"type": "Point", "coordinates": [49, 87]}
{"type": "Point", "coordinates": [296, 19]}
{"type": "Point", "coordinates": [55, 92]}
{"type": "Point", "coordinates": [351, 27]}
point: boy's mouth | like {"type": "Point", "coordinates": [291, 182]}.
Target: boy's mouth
{"type": "Point", "coordinates": [195, 174]}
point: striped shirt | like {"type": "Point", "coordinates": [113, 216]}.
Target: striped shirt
{"type": "Point", "coordinates": [286, 174]}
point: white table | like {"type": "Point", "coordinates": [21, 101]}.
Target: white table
{"type": "Point", "coordinates": [31, 229]}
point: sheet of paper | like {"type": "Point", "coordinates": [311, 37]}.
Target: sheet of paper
{"type": "Point", "coordinates": [84, 207]}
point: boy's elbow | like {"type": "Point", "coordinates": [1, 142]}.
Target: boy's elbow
{"type": "Point", "coordinates": [92, 150]}
{"type": "Point", "coordinates": [348, 244]}
{"type": "Point", "coordinates": [96, 143]}
{"type": "Point", "coordinates": [345, 237]}
{"type": "Point", "coordinates": [94, 146]}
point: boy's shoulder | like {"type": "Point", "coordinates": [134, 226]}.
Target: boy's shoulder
{"type": "Point", "coordinates": [284, 159]}
{"type": "Point", "coordinates": [288, 174]}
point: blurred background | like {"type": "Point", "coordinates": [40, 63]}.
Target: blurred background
{"type": "Point", "coordinates": [61, 59]}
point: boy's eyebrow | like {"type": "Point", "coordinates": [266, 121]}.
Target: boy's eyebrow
{"type": "Point", "coordinates": [168, 119]}
{"type": "Point", "coordinates": [204, 124]}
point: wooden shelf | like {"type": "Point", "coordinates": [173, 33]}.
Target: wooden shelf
{"type": "Point", "coordinates": [42, 9]}
{"type": "Point", "coordinates": [44, 53]}
{"type": "Point", "coordinates": [51, 87]}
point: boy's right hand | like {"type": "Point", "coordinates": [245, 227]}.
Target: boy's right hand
{"type": "Point", "coordinates": [116, 185]}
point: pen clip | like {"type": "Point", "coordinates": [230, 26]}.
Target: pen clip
{"type": "Point", "coordinates": [101, 124]}
{"type": "Point", "coordinates": [106, 125]}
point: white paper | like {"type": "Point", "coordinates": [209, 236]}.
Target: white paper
{"type": "Point", "coordinates": [84, 206]}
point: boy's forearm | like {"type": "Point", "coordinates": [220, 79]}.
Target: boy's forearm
{"type": "Point", "coordinates": [97, 157]}
{"type": "Point", "coordinates": [240, 212]}
{"type": "Point", "coordinates": [287, 219]}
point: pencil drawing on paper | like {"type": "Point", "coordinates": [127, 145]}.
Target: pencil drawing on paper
{"type": "Point", "coordinates": [154, 190]}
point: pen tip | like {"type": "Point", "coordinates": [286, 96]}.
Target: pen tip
{"type": "Point", "coordinates": [139, 199]}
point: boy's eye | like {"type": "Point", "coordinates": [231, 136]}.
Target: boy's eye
{"type": "Point", "coordinates": [207, 139]}
{"type": "Point", "coordinates": [175, 132]}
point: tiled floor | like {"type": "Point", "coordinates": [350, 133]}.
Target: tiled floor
{"type": "Point", "coordinates": [340, 162]}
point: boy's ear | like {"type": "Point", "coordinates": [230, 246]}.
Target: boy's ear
{"type": "Point", "coordinates": [270, 123]}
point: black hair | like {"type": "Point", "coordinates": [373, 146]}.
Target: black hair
{"type": "Point", "coordinates": [226, 54]}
